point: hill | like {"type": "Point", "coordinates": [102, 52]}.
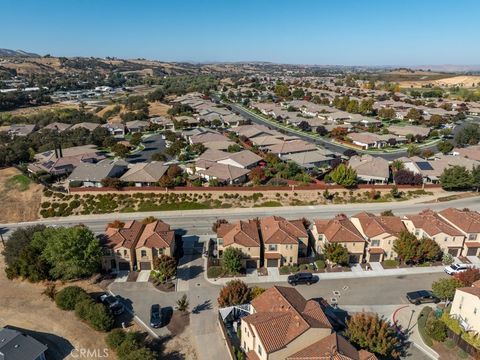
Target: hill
{"type": "Point", "coordinates": [16, 53]}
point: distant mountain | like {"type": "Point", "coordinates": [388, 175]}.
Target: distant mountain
{"type": "Point", "coordinates": [17, 53]}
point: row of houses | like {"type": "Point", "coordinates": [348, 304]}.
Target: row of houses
{"type": "Point", "coordinates": [275, 241]}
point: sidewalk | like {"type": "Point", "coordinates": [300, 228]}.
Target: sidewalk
{"type": "Point", "coordinates": [255, 279]}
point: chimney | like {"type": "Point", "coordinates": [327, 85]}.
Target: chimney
{"type": "Point", "coordinates": [56, 151]}
{"type": "Point", "coordinates": [60, 149]}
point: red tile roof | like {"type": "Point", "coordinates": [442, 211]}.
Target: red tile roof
{"type": "Point", "coordinates": [156, 235]}
{"type": "Point", "coordinates": [339, 229]}
{"type": "Point", "coordinates": [282, 314]}
{"type": "Point", "coordinates": [432, 223]}
{"type": "Point", "coordinates": [373, 225]}
{"type": "Point", "coordinates": [243, 233]}
{"type": "Point", "coordinates": [332, 347]}
{"type": "Point", "coordinates": [126, 236]}
{"type": "Point", "coordinates": [466, 220]}
{"type": "Point", "coordinates": [277, 230]}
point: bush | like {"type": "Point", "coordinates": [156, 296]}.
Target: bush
{"type": "Point", "coordinates": [82, 308]}
{"type": "Point", "coordinates": [422, 323]}
{"type": "Point", "coordinates": [388, 264]}
{"type": "Point", "coordinates": [115, 338]}
{"type": "Point", "coordinates": [435, 328]}
{"type": "Point", "coordinates": [67, 298]}
{"type": "Point", "coordinates": [214, 271]}
{"type": "Point", "coordinates": [284, 270]}
{"type": "Point", "coordinates": [320, 264]}
{"type": "Point", "coordinates": [100, 318]}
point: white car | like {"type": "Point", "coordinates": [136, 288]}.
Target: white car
{"type": "Point", "coordinates": [456, 268]}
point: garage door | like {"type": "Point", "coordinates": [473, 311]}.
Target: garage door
{"type": "Point", "coordinates": [145, 265]}
{"type": "Point", "coordinates": [122, 265]}
{"type": "Point", "coordinates": [472, 251]}
{"type": "Point", "coordinates": [251, 264]}
{"type": "Point", "coordinates": [272, 263]}
{"type": "Point", "coordinates": [375, 257]}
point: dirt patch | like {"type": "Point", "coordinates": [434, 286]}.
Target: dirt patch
{"type": "Point", "coordinates": [179, 322]}
{"type": "Point", "coordinates": [23, 197]}
{"type": "Point", "coordinates": [24, 306]}
{"type": "Point", "coordinates": [158, 109]}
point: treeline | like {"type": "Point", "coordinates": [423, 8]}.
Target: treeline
{"type": "Point", "coordinates": [43, 118]}
{"type": "Point", "coordinates": [17, 99]}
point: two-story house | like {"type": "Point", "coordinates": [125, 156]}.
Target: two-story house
{"type": "Point", "coordinates": [282, 323]}
{"type": "Point", "coordinates": [342, 231]}
{"type": "Point", "coordinates": [284, 241]}
{"type": "Point", "coordinates": [429, 224]}
{"type": "Point", "coordinates": [242, 235]}
{"type": "Point", "coordinates": [156, 239]}
{"type": "Point", "coordinates": [468, 222]}
{"type": "Point", "coordinates": [466, 307]}
{"type": "Point", "coordinates": [381, 232]}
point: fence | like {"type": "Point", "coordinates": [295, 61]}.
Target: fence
{"type": "Point", "coordinates": [230, 347]}
{"type": "Point", "coordinates": [462, 344]}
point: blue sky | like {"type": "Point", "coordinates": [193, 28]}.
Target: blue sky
{"type": "Point", "coordinates": [348, 32]}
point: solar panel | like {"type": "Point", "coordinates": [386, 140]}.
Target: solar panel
{"type": "Point", "coordinates": [424, 165]}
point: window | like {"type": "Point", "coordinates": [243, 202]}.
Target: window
{"type": "Point", "coordinates": [291, 259]}
{"type": "Point", "coordinates": [144, 253]}
{"type": "Point", "coordinates": [248, 249]}
{"type": "Point", "coordinates": [259, 349]}
{"type": "Point", "coordinates": [446, 239]}
{"type": "Point", "coordinates": [272, 247]}
{"type": "Point", "coordinates": [433, 238]}
{"type": "Point", "coordinates": [474, 311]}
{"type": "Point", "coordinates": [472, 237]}
{"type": "Point", "coordinates": [417, 232]}
{"type": "Point", "coordinates": [386, 254]}
{"type": "Point", "coordinates": [160, 251]}
{"type": "Point", "coordinates": [354, 244]}
{"type": "Point", "coordinates": [375, 243]}
{"type": "Point", "coordinates": [320, 237]}
{"type": "Point", "coordinates": [389, 242]}
{"type": "Point", "coordinates": [124, 252]}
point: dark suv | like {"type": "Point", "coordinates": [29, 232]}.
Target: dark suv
{"type": "Point", "coordinates": [422, 297]}
{"type": "Point", "coordinates": [302, 278]}
{"type": "Point", "coordinates": [156, 316]}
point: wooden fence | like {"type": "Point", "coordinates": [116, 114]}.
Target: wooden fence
{"type": "Point", "coordinates": [462, 344]}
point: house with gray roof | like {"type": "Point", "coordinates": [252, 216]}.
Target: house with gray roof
{"type": "Point", "coordinates": [370, 169]}
{"type": "Point", "coordinates": [145, 174]}
{"type": "Point", "coordinates": [309, 159]}
{"type": "Point", "coordinates": [91, 175]}
{"type": "Point", "coordinates": [85, 125]}
{"type": "Point", "coordinates": [15, 345]}
{"type": "Point", "coordinates": [57, 126]}
{"type": "Point", "coordinates": [225, 174]}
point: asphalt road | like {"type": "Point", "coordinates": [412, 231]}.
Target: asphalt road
{"type": "Point", "coordinates": [326, 143]}
{"type": "Point", "coordinates": [199, 222]}
{"type": "Point", "coordinates": [153, 144]}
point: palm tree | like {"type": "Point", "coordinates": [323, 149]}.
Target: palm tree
{"type": "Point", "coordinates": [397, 165]}
{"type": "Point", "coordinates": [183, 303]}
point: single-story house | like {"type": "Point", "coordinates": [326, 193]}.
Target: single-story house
{"type": "Point", "coordinates": [370, 169]}
{"type": "Point", "coordinates": [91, 175]}
{"type": "Point", "coordinates": [145, 174]}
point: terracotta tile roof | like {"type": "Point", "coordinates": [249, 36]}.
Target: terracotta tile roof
{"type": "Point", "coordinates": [124, 237]}
{"type": "Point", "coordinates": [376, 250]}
{"type": "Point", "coordinates": [332, 347]}
{"type": "Point", "coordinates": [339, 229]}
{"type": "Point", "coordinates": [156, 235]}
{"type": "Point", "coordinates": [430, 222]}
{"type": "Point", "coordinates": [277, 230]}
{"type": "Point", "coordinates": [472, 244]}
{"type": "Point", "coordinates": [251, 355]}
{"type": "Point", "coordinates": [466, 220]}
{"type": "Point", "coordinates": [373, 225]}
{"type": "Point", "coordinates": [282, 314]}
{"type": "Point", "coordinates": [473, 290]}
{"type": "Point", "coordinates": [244, 233]}
{"type": "Point", "coordinates": [272, 255]}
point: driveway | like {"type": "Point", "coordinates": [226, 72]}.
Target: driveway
{"type": "Point", "coordinates": [153, 144]}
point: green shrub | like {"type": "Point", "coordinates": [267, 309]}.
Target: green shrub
{"type": "Point", "coordinates": [100, 318]}
{"type": "Point", "coordinates": [82, 308]}
{"type": "Point", "coordinates": [435, 328]}
{"type": "Point", "coordinates": [449, 343]}
{"type": "Point", "coordinates": [388, 264]}
{"type": "Point", "coordinates": [422, 322]}
{"type": "Point", "coordinates": [320, 264]}
{"type": "Point", "coordinates": [67, 298]}
{"type": "Point", "coordinates": [215, 271]}
{"type": "Point", "coordinates": [462, 354]}
{"type": "Point", "coordinates": [284, 270]}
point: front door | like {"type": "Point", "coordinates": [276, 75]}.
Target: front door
{"type": "Point", "coordinates": [472, 251]}
{"type": "Point", "coordinates": [453, 252]}
{"type": "Point", "coordinates": [354, 259]}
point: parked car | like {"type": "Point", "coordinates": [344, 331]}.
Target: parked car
{"type": "Point", "coordinates": [112, 303]}
{"type": "Point", "coordinates": [456, 268]}
{"type": "Point", "coordinates": [422, 297]}
{"type": "Point", "coordinates": [155, 316]}
{"type": "Point", "coordinates": [302, 278]}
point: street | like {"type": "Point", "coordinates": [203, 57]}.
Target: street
{"type": "Point", "coordinates": [153, 144]}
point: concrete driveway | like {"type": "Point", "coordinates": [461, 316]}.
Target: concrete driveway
{"type": "Point", "coordinates": [153, 144]}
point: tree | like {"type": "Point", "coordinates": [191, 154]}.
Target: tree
{"type": "Point", "coordinates": [166, 181]}
{"type": "Point", "coordinates": [436, 120]}
{"type": "Point", "coordinates": [445, 146]}
{"type": "Point", "coordinates": [165, 267]}
{"type": "Point", "coordinates": [115, 338]}
{"type": "Point", "coordinates": [436, 329]}
{"type": "Point", "coordinates": [17, 241]}
{"type": "Point", "coordinates": [468, 277]}
{"type": "Point", "coordinates": [67, 298]}
{"type": "Point", "coordinates": [321, 130]}
{"type": "Point", "coordinates": [413, 150]}
{"type": "Point", "coordinates": [159, 157]}
{"type": "Point", "coordinates": [395, 193]}
{"type": "Point", "coordinates": [428, 250]}
{"type": "Point", "coordinates": [366, 106]}
{"type": "Point", "coordinates": [336, 253]}
{"type": "Point", "coordinates": [344, 175]}
{"type": "Point", "coordinates": [120, 150]}
{"type": "Point", "coordinates": [406, 247]}
{"type": "Point", "coordinates": [407, 177]}
{"type": "Point", "coordinates": [468, 135]}
{"type": "Point", "coordinates": [257, 175]}
{"type": "Point", "coordinates": [298, 93]}
{"type": "Point", "coordinates": [235, 292]}
{"type": "Point", "coordinates": [476, 177]}
{"type": "Point", "coordinates": [350, 152]}
{"type": "Point", "coordinates": [445, 288]}
{"type": "Point", "coordinates": [234, 148]}
{"type": "Point", "coordinates": [304, 126]}
{"type": "Point", "coordinates": [217, 224]}
{"type": "Point", "coordinates": [456, 178]}
{"type": "Point", "coordinates": [414, 114]}
{"type": "Point", "coordinates": [136, 139]}
{"type": "Point", "coordinates": [255, 291]}
{"type": "Point", "coordinates": [386, 113]}
{"type": "Point", "coordinates": [338, 132]}
{"type": "Point", "coordinates": [183, 303]}
{"type": "Point", "coordinates": [387, 213]}
{"type": "Point", "coordinates": [397, 165]}
{"type": "Point", "coordinates": [71, 252]}
{"type": "Point", "coordinates": [372, 333]}
{"type": "Point", "coordinates": [232, 260]}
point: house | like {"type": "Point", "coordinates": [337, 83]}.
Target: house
{"type": "Point", "coordinates": [14, 345]}
{"type": "Point", "coordinates": [381, 232]}
{"type": "Point", "coordinates": [309, 159]}
{"type": "Point", "coordinates": [17, 130]}
{"type": "Point", "coordinates": [225, 174]}
{"type": "Point", "coordinates": [63, 161]}
{"type": "Point", "coordinates": [470, 152]}
{"type": "Point", "coordinates": [468, 222]}
{"type": "Point", "coordinates": [370, 169]}
{"type": "Point", "coordinates": [167, 123]}
{"type": "Point", "coordinates": [284, 241]}
{"type": "Point", "coordinates": [119, 245]}
{"type": "Point", "coordinates": [241, 235]}
{"type": "Point", "coordinates": [409, 130]}
{"type": "Point", "coordinates": [244, 159]}
{"type": "Point", "coordinates": [283, 323]}
{"type": "Point", "coordinates": [57, 126]}
{"type": "Point", "coordinates": [340, 230]}
{"type": "Point", "coordinates": [466, 308]}
{"type": "Point", "coordinates": [211, 140]}
{"type": "Point", "coordinates": [254, 131]}
{"type": "Point", "coordinates": [431, 225]}
{"type": "Point", "coordinates": [332, 347]}
{"type": "Point", "coordinates": [136, 126]}
{"type": "Point", "coordinates": [186, 121]}
{"type": "Point", "coordinates": [145, 174]}
{"type": "Point", "coordinates": [291, 147]}
{"type": "Point", "coordinates": [368, 140]}
{"type": "Point", "coordinates": [117, 130]}
{"type": "Point", "coordinates": [156, 239]}
{"type": "Point", "coordinates": [91, 175]}
{"type": "Point", "coordinates": [85, 125]}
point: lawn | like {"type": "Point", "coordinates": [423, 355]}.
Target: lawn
{"type": "Point", "coordinates": [20, 182]}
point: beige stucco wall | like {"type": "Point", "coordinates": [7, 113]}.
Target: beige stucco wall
{"type": "Point", "coordinates": [248, 252]}
{"type": "Point", "coordinates": [289, 252]}
{"type": "Point", "coordinates": [151, 254]}
{"type": "Point", "coordinates": [467, 307]}
{"type": "Point", "coordinates": [119, 255]}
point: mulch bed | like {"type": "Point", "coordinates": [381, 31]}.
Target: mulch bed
{"type": "Point", "coordinates": [179, 321]}
{"type": "Point", "coordinates": [166, 287]}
